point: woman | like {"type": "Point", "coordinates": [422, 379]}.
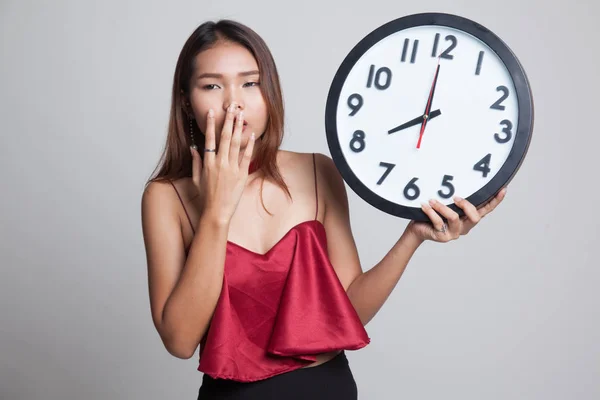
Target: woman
{"type": "Point", "coordinates": [249, 247]}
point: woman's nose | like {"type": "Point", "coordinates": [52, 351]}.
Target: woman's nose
{"type": "Point", "coordinates": [238, 106]}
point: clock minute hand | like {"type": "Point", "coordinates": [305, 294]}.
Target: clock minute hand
{"type": "Point", "coordinates": [429, 102]}
{"type": "Point", "coordinates": [415, 121]}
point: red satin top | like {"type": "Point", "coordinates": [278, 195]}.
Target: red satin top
{"type": "Point", "coordinates": [277, 311]}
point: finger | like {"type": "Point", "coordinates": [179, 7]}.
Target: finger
{"type": "Point", "coordinates": [196, 167]}
{"type": "Point", "coordinates": [209, 137]}
{"type": "Point", "coordinates": [245, 164]}
{"type": "Point", "coordinates": [492, 204]}
{"type": "Point", "coordinates": [469, 209]}
{"type": "Point", "coordinates": [236, 139]}
{"type": "Point", "coordinates": [226, 132]}
{"type": "Point", "coordinates": [454, 222]}
{"type": "Point", "coordinates": [436, 220]}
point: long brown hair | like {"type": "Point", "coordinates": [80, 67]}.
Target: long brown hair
{"type": "Point", "coordinates": [176, 160]}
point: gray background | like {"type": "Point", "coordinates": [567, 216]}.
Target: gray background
{"type": "Point", "coordinates": [507, 312]}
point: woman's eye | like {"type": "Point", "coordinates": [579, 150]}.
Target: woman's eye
{"type": "Point", "coordinates": [250, 84]}
{"type": "Point", "coordinates": [210, 87]}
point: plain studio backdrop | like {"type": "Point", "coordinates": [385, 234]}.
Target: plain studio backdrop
{"type": "Point", "coordinates": [510, 311]}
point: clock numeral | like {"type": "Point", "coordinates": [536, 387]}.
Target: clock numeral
{"type": "Point", "coordinates": [446, 54]}
{"type": "Point", "coordinates": [375, 78]}
{"type": "Point", "coordinates": [355, 98]}
{"type": "Point", "coordinates": [357, 144]}
{"type": "Point", "coordinates": [479, 62]}
{"type": "Point", "coordinates": [411, 190]}
{"type": "Point", "coordinates": [483, 165]}
{"type": "Point", "coordinates": [507, 129]}
{"type": "Point", "coordinates": [389, 167]}
{"type": "Point", "coordinates": [436, 42]}
{"type": "Point", "coordinates": [405, 48]}
{"type": "Point", "coordinates": [498, 104]}
{"type": "Point", "coordinates": [446, 183]}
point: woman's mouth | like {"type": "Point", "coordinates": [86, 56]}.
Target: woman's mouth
{"type": "Point", "coordinates": [245, 124]}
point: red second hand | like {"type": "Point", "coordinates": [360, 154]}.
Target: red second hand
{"type": "Point", "coordinates": [428, 107]}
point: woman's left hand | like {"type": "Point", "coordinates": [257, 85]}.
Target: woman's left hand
{"type": "Point", "coordinates": [438, 231]}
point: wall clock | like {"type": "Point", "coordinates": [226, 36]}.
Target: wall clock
{"type": "Point", "coordinates": [429, 106]}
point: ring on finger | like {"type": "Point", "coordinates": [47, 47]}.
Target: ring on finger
{"type": "Point", "coordinates": [443, 230]}
{"type": "Point", "coordinates": [210, 150]}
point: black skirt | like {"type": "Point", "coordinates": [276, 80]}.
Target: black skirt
{"type": "Point", "coordinates": [330, 380]}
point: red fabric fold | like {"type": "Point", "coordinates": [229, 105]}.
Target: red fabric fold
{"type": "Point", "coordinates": [277, 311]}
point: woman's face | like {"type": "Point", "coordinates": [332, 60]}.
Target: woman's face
{"type": "Point", "coordinates": [228, 74]}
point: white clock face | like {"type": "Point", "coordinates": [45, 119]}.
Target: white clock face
{"type": "Point", "coordinates": [472, 121]}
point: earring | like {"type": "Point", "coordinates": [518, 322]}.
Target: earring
{"type": "Point", "coordinates": [192, 133]}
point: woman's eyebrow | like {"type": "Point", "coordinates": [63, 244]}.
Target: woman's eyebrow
{"type": "Point", "coordinates": [212, 75]}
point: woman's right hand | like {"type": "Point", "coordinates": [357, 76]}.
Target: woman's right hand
{"type": "Point", "coordinates": [221, 177]}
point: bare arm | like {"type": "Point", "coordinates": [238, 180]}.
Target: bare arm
{"type": "Point", "coordinates": [183, 292]}
{"type": "Point", "coordinates": [369, 290]}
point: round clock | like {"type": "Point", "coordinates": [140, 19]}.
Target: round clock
{"type": "Point", "coordinates": [429, 106]}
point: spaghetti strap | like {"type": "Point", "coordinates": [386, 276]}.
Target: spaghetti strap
{"type": "Point", "coordinates": [316, 188]}
{"type": "Point", "coordinates": [184, 209]}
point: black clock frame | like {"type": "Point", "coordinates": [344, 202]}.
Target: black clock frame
{"type": "Point", "coordinates": [523, 92]}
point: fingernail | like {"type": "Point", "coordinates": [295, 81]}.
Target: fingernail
{"type": "Point", "coordinates": [211, 113]}
{"type": "Point", "coordinates": [457, 199]}
{"type": "Point", "coordinates": [424, 205]}
{"type": "Point", "coordinates": [231, 107]}
{"type": "Point", "coordinates": [241, 116]}
{"type": "Point", "coordinates": [432, 202]}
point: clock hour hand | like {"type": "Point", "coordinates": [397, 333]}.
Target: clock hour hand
{"type": "Point", "coordinates": [415, 121]}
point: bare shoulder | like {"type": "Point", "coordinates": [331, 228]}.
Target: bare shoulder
{"type": "Point", "coordinates": [160, 200]}
{"type": "Point", "coordinates": [327, 169]}
{"type": "Point", "coordinates": [295, 168]}
{"type": "Point", "coordinates": [290, 162]}
{"type": "Point", "coordinates": [299, 166]}
{"type": "Point", "coordinates": [156, 193]}
{"type": "Point", "coordinates": [162, 226]}
{"type": "Point", "coordinates": [333, 186]}
{"type": "Point", "coordinates": [163, 191]}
